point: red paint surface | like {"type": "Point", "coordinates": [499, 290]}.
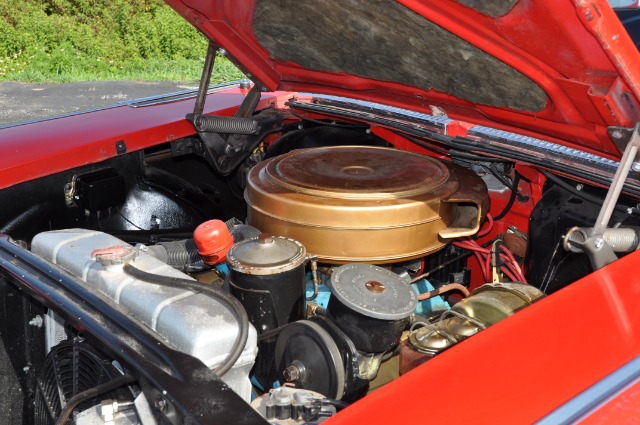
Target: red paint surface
{"type": "Point", "coordinates": [39, 149]}
{"type": "Point", "coordinates": [524, 367]}
{"type": "Point", "coordinates": [576, 50]}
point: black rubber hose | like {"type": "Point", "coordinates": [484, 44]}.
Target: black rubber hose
{"type": "Point", "coordinates": [461, 155]}
{"type": "Point", "coordinates": [26, 219]}
{"type": "Point", "coordinates": [330, 124]}
{"type": "Point", "coordinates": [243, 232]}
{"type": "Point", "coordinates": [512, 198]}
{"type": "Point", "coordinates": [183, 255]}
{"type": "Point", "coordinates": [74, 401]}
{"type": "Point", "coordinates": [507, 183]}
{"type": "Point", "coordinates": [277, 145]}
{"type": "Point", "coordinates": [219, 295]}
{"type": "Point", "coordinates": [338, 404]}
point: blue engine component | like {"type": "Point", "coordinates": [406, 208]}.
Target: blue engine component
{"type": "Point", "coordinates": [433, 305]}
{"type": "Point", "coordinates": [425, 308]}
{"type": "Point", "coordinates": [324, 293]}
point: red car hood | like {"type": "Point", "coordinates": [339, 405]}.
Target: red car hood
{"type": "Point", "coordinates": [563, 70]}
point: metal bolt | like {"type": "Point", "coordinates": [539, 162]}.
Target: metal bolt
{"type": "Point", "coordinates": [161, 404]}
{"type": "Point", "coordinates": [598, 243]}
{"type": "Point", "coordinates": [222, 52]}
{"type": "Point", "coordinates": [291, 373]}
{"type": "Point", "coordinates": [635, 166]}
{"type": "Point", "coordinates": [36, 321]}
{"type": "Point", "coordinates": [108, 408]}
{"type": "Point", "coordinates": [579, 186]}
{"type": "Point", "coordinates": [616, 134]}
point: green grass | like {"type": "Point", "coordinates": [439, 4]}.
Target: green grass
{"type": "Point", "coordinates": [59, 41]}
{"type": "Point", "coordinates": [138, 70]}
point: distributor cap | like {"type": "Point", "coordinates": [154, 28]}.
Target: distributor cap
{"type": "Point", "coordinates": [373, 291]}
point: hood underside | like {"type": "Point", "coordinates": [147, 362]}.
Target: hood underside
{"type": "Point", "coordinates": [562, 69]}
{"type": "Point", "coordinates": [370, 43]}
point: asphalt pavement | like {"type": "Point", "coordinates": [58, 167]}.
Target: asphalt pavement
{"type": "Point", "coordinates": [24, 101]}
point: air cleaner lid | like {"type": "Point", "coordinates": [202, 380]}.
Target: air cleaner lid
{"type": "Point", "coordinates": [357, 172]}
{"type": "Point", "coordinates": [373, 291]}
{"type": "Point", "coordinates": [266, 255]}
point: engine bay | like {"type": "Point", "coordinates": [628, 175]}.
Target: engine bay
{"type": "Point", "coordinates": [336, 257]}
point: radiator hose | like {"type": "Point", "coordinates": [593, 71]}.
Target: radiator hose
{"type": "Point", "coordinates": [219, 295]}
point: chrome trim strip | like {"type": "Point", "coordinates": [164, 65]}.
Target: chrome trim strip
{"type": "Point", "coordinates": [176, 96]}
{"type": "Point", "coordinates": [589, 400]}
{"type": "Point", "coordinates": [133, 103]}
{"type": "Point", "coordinates": [439, 122]}
{"type": "Point", "coordinates": [479, 132]}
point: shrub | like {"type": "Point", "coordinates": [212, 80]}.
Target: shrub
{"type": "Point", "coordinates": [74, 40]}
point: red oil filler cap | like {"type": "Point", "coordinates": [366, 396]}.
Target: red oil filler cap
{"type": "Point", "coordinates": [213, 241]}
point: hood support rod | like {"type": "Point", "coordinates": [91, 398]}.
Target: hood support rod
{"type": "Point", "coordinates": [224, 141]}
{"type": "Point", "coordinates": [600, 242]}
{"type": "Point", "coordinates": [205, 78]}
